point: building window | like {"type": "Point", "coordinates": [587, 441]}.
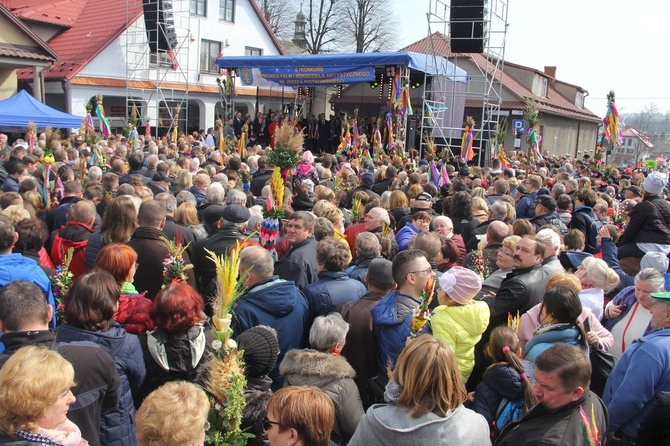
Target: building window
{"type": "Point", "coordinates": [209, 51]}
{"type": "Point", "coordinates": [579, 100]}
{"type": "Point", "coordinates": [199, 7]}
{"type": "Point", "coordinates": [227, 10]}
{"type": "Point", "coordinates": [540, 86]}
{"type": "Point", "coordinates": [630, 142]}
{"type": "Point", "coordinates": [249, 51]}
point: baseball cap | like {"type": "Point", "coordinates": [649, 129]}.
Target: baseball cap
{"type": "Point", "coordinates": [547, 201]}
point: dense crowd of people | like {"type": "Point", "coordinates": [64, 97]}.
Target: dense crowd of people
{"type": "Point", "coordinates": [547, 320]}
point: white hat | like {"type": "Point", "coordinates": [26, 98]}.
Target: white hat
{"type": "Point", "coordinates": [656, 260]}
{"type": "Point", "coordinates": [655, 183]}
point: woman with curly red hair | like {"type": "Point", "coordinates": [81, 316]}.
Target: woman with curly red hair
{"type": "Point", "coordinates": [121, 262]}
{"type": "Point", "coordinates": [179, 347]}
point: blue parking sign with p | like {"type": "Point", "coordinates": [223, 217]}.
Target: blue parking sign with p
{"type": "Point", "coordinates": [519, 125]}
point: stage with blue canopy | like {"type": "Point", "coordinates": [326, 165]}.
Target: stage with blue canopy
{"type": "Point", "coordinates": [330, 69]}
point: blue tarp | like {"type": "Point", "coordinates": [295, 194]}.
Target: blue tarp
{"type": "Point", "coordinates": [22, 108]}
{"type": "Point", "coordinates": [333, 62]}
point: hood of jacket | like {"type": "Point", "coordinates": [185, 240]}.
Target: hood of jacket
{"type": "Point", "coordinates": [308, 366]}
{"type": "Point", "coordinates": [504, 380]}
{"type": "Point", "coordinates": [112, 340]}
{"type": "Point", "coordinates": [473, 318]}
{"type": "Point", "coordinates": [273, 295]}
{"type": "Point", "coordinates": [147, 233]}
{"type": "Point", "coordinates": [75, 232]}
{"type": "Point", "coordinates": [391, 424]}
{"type": "Point", "coordinates": [393, 308]}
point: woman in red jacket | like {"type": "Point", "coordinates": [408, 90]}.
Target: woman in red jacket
{"type": "Point", "coordinates": [121, 262]}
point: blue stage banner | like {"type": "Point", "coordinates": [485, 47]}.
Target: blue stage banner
{"type": "Point", "coordinates": [306, 76]}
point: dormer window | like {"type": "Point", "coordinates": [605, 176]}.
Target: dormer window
{"type": "Point", "coordinates": [579, 100]}
{"type": "Point", "coordinates": [540, 86]}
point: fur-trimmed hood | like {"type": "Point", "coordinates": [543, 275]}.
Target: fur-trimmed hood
{"type": "Point", "coordinates": [315, 366]}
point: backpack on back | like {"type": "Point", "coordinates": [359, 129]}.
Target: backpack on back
{"type": "Point", "coordinates": [508, 411]}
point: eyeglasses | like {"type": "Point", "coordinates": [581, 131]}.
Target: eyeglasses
{"type": "Point", "coordinates": [506, 253]}
{"type": "Point", "coordinates": [207, 426]}
{"type": "Point", "coordinates": [428, 270]}
{"type": "Point", "coordinates": [267, 424]}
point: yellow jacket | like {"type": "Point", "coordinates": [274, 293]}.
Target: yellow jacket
{"type": "Point", "coordinates": [461, 327]}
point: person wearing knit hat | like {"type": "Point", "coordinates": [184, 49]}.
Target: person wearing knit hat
{"type": "Point", "coordinates": [458, 320]}
{"type": "Point", "coordinates": [655, 183]}
{"type": "Point", "coordinates": [260, 350]}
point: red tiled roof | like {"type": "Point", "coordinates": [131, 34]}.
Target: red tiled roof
{"type": "Point", "coordinates": [90, 26]}
{"type": "Point", "coordinates": [9, 50]}
{"type": "Point", "coordinates": [555, 103]}
{"type": "Point", "coordinates": [16, 51]}
{"type": "Point", "coordinates": [437, 42]}
{"type": "Point", "coordinates": [63, 12]}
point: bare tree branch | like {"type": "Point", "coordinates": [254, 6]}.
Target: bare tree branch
{"type": "Point", "coordinates": [280, 15]}
{"type": "Point", "coordinates": [369, 25]}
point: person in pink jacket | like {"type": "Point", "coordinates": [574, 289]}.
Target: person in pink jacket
{"type": "Point", "coordinates": [598, 337]}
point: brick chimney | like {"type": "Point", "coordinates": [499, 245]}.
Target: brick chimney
{"type": "Point", "coordinates": [551, 72]}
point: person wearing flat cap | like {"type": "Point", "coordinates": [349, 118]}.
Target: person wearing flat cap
{"type": "Point", "coordinates": [231, 226]}
{"type": "Point", "coordinates": [640, 375]}
{"type": "Point", "coordinates": [648, 229]}
{"type": "Point", "coordinates": [545, 214]}
{"type": "Point", "coordinates": [459, 320]}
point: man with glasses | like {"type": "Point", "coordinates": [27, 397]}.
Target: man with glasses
{"type": "Point", "coordinates": [393, 314]}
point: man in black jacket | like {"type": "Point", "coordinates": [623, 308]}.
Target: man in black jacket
{"type": "Point", "coordinates": [231, 228]}
{"type": "Point", "coordinates": [24, 319]}
{"type": "Point", "coordinates": [299, 263]}
{"type": "Point", "coordinates": [524, 287]}
{"type": "Point", "coordinates": [545, 214]}
{"type": "Point", "coordinates": [562, 375]}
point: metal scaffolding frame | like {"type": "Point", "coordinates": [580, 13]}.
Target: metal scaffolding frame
{"type": "Point", "coordinates": [157, 75]}
{"type": "Point", "coordinates": [441, 98]}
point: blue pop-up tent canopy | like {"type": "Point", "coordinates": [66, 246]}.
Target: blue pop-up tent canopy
{"type": "Point", "coordinates": [22, 108]}
{"type": "Point", "coordinates": [328, 69]}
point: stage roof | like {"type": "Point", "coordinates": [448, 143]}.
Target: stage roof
{"type": "Point", "coordinates": [338, 63]}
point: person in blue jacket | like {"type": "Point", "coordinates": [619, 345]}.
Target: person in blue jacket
{"type": "Point", "coordinates": [420, 223]}
{"type": "Point", "coordinates": [642, 373]}
{"type": "Point", "coordinates": [15, 267]}
{"type": "Point", "coordinates": [333, 287]}
{"type": "Point", "coordinates": [270, 301]}
{"type": "Point", "coordinates": [393, 314]}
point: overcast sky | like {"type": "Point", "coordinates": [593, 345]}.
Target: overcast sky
{"type": "Point", "coordinates": [596, 44]}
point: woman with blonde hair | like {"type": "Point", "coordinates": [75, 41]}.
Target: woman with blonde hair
{"type": "Point", "coordinates": [429, 408]}
{"type": "Point", "coordinates": [398, 207]}
{"type": "Point", "coordinates": [35, 395]}
{"type": "Point", "coordinates": [187, 215]}
{"type": "Point", "coordinates": [184, 180]}
{"type": "Point", "coordinates": [597, 279]}
{"type": "Point", "coordinates": [480, 210]}
{"type": "Point", "coordinates": [174, 414]}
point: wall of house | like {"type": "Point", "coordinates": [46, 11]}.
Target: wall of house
{"type": "Point", "coordinates": [7, 83]}
{"type": "Point", "coordinates": [560, 136]}
{"type": "Point", "coordinates": [131, 49]}
{"type": "Point", "coordinates": [11, 34]}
